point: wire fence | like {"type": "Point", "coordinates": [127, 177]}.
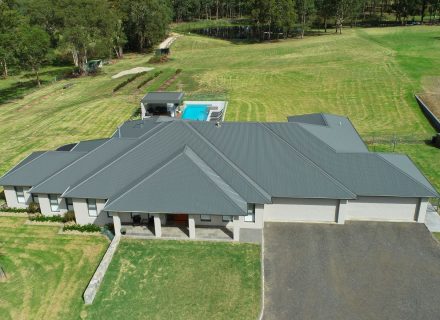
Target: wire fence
{"type": "Point", "coordinates": [390, 142]}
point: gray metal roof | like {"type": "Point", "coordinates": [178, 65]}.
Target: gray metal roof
{"type": "Point", "coordinates": [40, 168]}
{"type": "Point", "coordinates": [170, 165]}
{"type": "Point", "coordinates": [184, 183]}
{"type": "Point", "coordinates": [163, 97]}
{"type": "Point", "coordinates": [88, 145]}
{"type": "Point", "coordinates": [84, 166]}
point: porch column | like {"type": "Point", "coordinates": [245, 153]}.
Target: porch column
{"type": "Point", "coordinates": [422, 207]}
{"type": "Point", "coordinates": [157, 226]}
{"type": "Point", "coordinates": [342, 208]}
{"type": "Point", "coordinates": [192, 227]}
{"type": "Point", "coordinates": [236, 228]}
{"type": "Point", "coordinates": [117, 223]}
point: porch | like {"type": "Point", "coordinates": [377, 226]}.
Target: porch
{"type": "Point", "coordinates": [170, 226]}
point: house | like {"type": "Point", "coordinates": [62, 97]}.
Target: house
{"type": "Point", "coordinates": [313, 168]}
{"type": "Point", "coordinates": [161, 103]}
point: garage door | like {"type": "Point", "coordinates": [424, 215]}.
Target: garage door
{"type": "Point", "coordinates": [300, 210]}
{"type": "Point", "coordinates": [382, 208]}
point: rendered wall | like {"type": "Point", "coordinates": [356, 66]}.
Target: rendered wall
{"type": "Point", "coordinates": [44, 202]}
{"type": "Point", "coordinates": [297, 210]}
{"type": "Point", "coordinates": [82, 213]}
{"type": "Point", "coordinates": [382, 209]}
{"type": "Point", "coordinates": [11, 197]}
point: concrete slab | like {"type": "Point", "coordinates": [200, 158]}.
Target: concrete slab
{"type": "Point", "coordinates": [432, 220]}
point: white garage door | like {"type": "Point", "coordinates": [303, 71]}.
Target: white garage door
{"type": "Point", "coordinates": [382, 208]}
{"type": "Point", "coordinates": [301, 210]}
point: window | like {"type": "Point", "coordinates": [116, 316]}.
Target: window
{"type": "Point", "coordinates": [54, 204]}
{"type": "Point", "coordinates": [20, 194]}
{"type": "Point", "coordinates": [109, 215]}
{"type": "Point", "coordinates": [227, 218]}
{"type": "Point", "coordinates": [35, 198]}
{"type": "Point", "coordinates": [205, 217]}
{"type": "Point", "coordinates": [250, 213]}
{"type": "Point", "coordinates": [69, 204]}
{"type": "Point", "coordinates": [91, 206]}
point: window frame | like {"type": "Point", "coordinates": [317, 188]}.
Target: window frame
{"type": "Point", "coordinates": [227, 218]}
{"type": "Point", "coordinates": [89, 210]}
{"type": "Point", "coordinates": [250, 217]}
{"type": "Point", "coordinates": [52, 205]}
{"type": "Point", "coordinates": [35, 198]}
{"type": "Point", "coordinates": [69, 204]}
{"type": "Point", "coordinates": [17, 196]}
{"type": "Point", "coordinates": [204, 219]}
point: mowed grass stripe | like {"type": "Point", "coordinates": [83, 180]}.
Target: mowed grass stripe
{"type": "Point", "coordinates": [47, 272]}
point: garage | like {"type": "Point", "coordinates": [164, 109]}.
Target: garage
{"type": "Point", "coordinates": [383, 209]}
{"type": "Point", "coordinates": [301, 210]}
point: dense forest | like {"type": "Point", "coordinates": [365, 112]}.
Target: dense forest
{"type": "Point", "coordinates": [35, 32]}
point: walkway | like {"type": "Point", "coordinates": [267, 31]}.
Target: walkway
{"type": "Point", "coordinates": [432, 220]}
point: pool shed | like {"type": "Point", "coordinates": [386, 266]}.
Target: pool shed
{"type": "Point", "coordinates": [161, 103]}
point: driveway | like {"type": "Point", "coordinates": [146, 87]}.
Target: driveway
{"type": "Point", "coordinates": [360, 270]}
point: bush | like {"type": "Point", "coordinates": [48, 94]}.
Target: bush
{"type": "Point", "coordinates": [127, 81]}
{"type": "Point", "coordinates": [42, 218]}
{"type": "Point", "coordinates": [69, 216]}
{"type": "Point", "coordinates": [16, 210]}
{"type": "Point", "coordinates": [158, 59]}
{"type": "Point", "coordinates": [33, 207]}
{"type": "Point", "coordinates": [82, 228]}
{"type": "Point", "coordinates": [178, 71]}
{"type": "Point", "coordinates": [155, 75]}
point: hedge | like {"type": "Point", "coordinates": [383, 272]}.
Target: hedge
{"type": "Point", "coordinates": [47, 219]}
{"type": "Point", "coordinates": [82, 228]}
{"type": "Point", "coordinates": [16, 210]}
{"type": "Point", "coordinates": [127, 81]}
{"type": "Point", "coordinates": [155, 75]}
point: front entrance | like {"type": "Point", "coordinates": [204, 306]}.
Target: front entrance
{"type": "Point", "coordinates": [179, 218]}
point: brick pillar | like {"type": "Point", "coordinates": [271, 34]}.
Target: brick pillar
{"type": "Point", "coordinates": [422, 207]}
{"type": "Point", "coordinates": [236, 228]}
{"type": "Point", "coordinates": [191, 227]}
{"type": "Point", "coordinates": [342, 208]}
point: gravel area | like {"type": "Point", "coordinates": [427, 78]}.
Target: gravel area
{"type": "Point", "coordinates": [360, 270]}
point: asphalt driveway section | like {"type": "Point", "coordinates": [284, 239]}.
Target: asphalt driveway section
{"type": "Point", "coordinates": [360, 270]}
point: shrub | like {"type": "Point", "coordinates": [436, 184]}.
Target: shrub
{"type": "Point", "coordinates": [178, 71]}
{"type": "Point", "coordinates": [82, 228]}
{"type": "Point", "coordinates": [33, 207]}
{"type": "Point", "coordinates": [69, 216]}
{"type": "Point", "coordinates": [155, 75]}
{"type": "Point", "coordinates": [41, 218]}
{"type": "Point", "coordinates": [158, 59]}
{"type": "Point", "coordinates": [127, 81]}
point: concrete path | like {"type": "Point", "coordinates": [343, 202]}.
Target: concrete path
{"type": "Point", "coordinates": [131, 71]}
{"type": "Point", "coordinates": [168, 41]}
{"type": "Point", "coordinates": [360, 270]}
{"type": "Point", "coordinates": [432, 220]}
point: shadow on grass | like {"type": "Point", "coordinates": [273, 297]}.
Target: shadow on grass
{"type": "Point", "coordinates": [17, 90]}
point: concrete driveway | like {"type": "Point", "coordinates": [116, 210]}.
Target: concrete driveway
{"type": "Point", "coordinates": [360, 270]}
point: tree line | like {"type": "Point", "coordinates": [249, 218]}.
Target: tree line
{"type": "Point", "coordinates": [34, 32]}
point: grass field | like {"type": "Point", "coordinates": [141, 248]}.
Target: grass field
{"type": "Point", "coordinates": [46, 272]}
{"type": "Point", "coordinates": [180, 280]}
{"type": "Point", "coordinates": [369, 75]}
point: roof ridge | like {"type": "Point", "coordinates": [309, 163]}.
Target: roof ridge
{"type": "Point", "coordinates": [117, 158]}
{"type": "Point", "coordinates": [263, 192]}
{"type": "Point", "coordinates": [12, 169]}
{"type": "Point", "coordinates": [192, 154]}
{"type": "Point", "coordinates": [406, 174]}
{"type": "Point", "coordinates": [68, 166]}
{"type": "Point", "coordinates": [331, 178]}
{"type": "Point", "coordinates": [149, 174]}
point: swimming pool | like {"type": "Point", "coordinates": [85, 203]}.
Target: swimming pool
{"type": "Point", "coordinates": [197, 112]}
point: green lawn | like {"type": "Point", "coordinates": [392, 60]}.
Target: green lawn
{"type": "Point", "coordinates": [46, 272]}
{"type": "Point", "coordinates": [153, 279]}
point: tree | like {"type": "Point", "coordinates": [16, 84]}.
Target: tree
{"type": "Point", "coordinates": [305, 8]}
{"type": "Point", "coordinates": [10, 20]}
{"type": "Point", "coordinates": [32, 49]}
{"type": "Point", "coordinates": [146, 22]}
{"type": "Point", "coordinates": [87, 26]}
{"type": "Point", "coordinates": [325, 10]}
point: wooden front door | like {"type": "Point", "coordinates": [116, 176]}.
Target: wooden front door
{"type": "Point", "coordinates": [178, 218]}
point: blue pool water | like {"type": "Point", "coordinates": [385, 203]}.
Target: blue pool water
{"type": "Point", "coordinates": [196, 112]}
